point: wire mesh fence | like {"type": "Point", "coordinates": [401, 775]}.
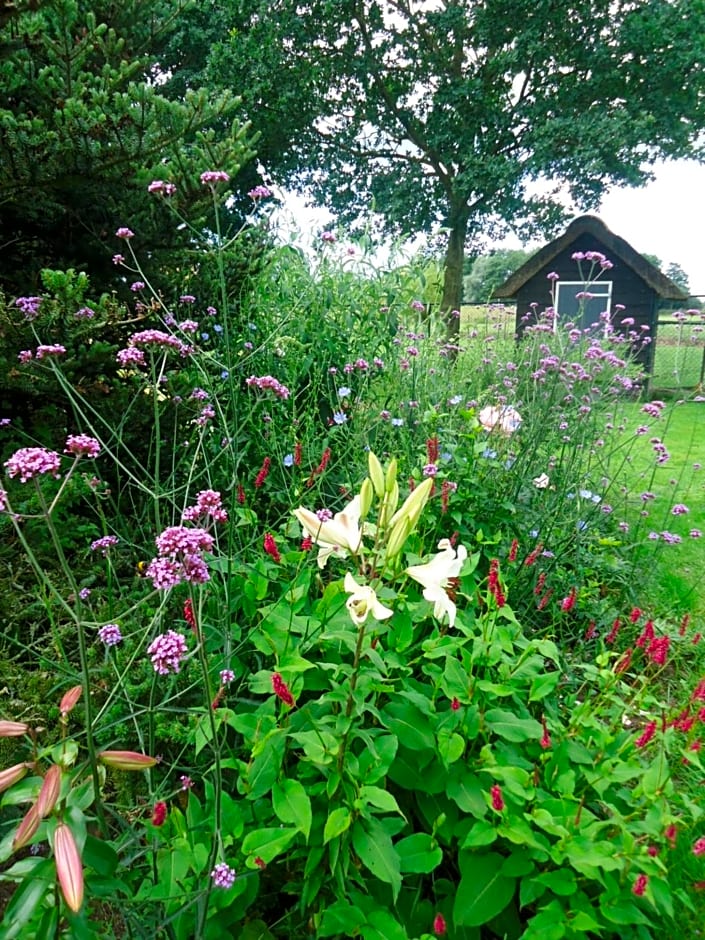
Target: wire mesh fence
{"type": "Point", "coordinates": [679, 355]}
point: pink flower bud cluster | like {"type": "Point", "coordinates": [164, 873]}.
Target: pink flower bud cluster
{"type": "Point", "coordinates": [268, 382]}
{"type": "Point", "coordinates": [209, 505]}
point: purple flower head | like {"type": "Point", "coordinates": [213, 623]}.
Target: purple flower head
{"type": "Point", "coordinates": [223, 875]}
{"type": "Point", "coordinates": [130, 357]}
{"type": "Point", "coordinates": [167, 652]}
{"type": "Point", "coordinates": [180, 540]}
{"type": "Point", "coordinates": [159, 186]}
{"type": "Point", "coordinates": [680, 509]}
{"type": "Point", "coordinates": [125, 233]}
{"type": "Point", "coordinates": [226, 676]}
{"type": "Point", "coordinates": [552, 276]}
{"type": "Point", "coordinates": [81, 445]}
{"type": "Point", "coordinates": [210, 177]}
{"type": "Point", "coordinates": [29, 306]}
{"type": "Point", "coordinates": [26, 355]}
{"type": "Point", "coordinates": [56, 349]}
{"type": "Point", "coordinates": [29, 462]}
{"type": "Point", "coordinates": [187, 299]}
{"type": "Point", "coordinates": [268, 382]}
{"type": "Point", "coordinates": [110, 634]}
{"type": "Point", "coordinates": [328, 237]}
{"type": "Point", "coordinates": [259, 192]}
{"type": "Point", "coordinates": [85, 313]}
{"type": "Point", "coordinates": [104, 543]}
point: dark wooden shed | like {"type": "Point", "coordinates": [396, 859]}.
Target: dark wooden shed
{"type": "Point", "coordinates": [632, 287]}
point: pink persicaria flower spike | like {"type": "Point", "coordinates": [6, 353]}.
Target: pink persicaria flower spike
{"type": "Point", "coordinates": [159, 813]}
{"type": "Point", "coordinates": [439, 925]}
{"type": "Point", "coordinates": [270, 547]}
{"type": "Point", "coordinates": [647, 734]}
{"type": "Point", "coordinates": [281, 690]}
{"type": "Point", "coordinates": [699, 847]}
{"type": "Point", "coordinates": [639, 886]}
{"type": "Point", "coordinates": [497, 798]}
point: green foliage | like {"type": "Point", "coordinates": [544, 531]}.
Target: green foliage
{"type": "Point", "coordinates": [487, 272]}
{"type": "Point", "coordinates": [84, 128]}
{"type": "Point", "coordinates": [440, 702]}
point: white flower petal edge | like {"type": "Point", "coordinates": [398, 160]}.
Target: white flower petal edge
{"type": "Point", "coordinates": [338, 535]}
{"type": "Point", "coordinates": [435, 578]}
{"type": "Point", "coordinates": [363, 602]}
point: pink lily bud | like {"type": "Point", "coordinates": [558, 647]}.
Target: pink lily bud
{"type": "Point", "coordinates": [68, 866]}
{"type": "Point", "coordinates": [11, 775]}
{"type": "Point", "coordinates": [27, 828]}
{"type": "Point", "coordinates": [126, 760]}
{"type": "Point", "coordinates": [49, 794]}
{"type": "Point", "coordinates": [69, 700]}
{"type": "Point", "coordinates": [13, 729]}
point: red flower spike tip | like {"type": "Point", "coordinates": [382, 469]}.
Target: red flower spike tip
{"type": "Point", "coordinates": [497, 798]}
{"type": "Point", "coordinates": [439, 925]}
{"type": "Point", "coordinates": [270, 547]}
{"type": "Point", "coordinates": [159, 813]}
{"type": "Point", "coordinates": [639, 886]}
{"type": "Point", "coordinates": [281, 690]}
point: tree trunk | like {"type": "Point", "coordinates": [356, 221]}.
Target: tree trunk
{"type": "Point", "coordinates": [453, 272]}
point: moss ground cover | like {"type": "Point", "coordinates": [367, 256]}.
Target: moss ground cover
{"type": "Point", "coordinates": [325, 624]}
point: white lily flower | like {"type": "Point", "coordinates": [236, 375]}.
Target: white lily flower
{"type": "Point", "coordinates": [436, 577]}
{"type": "Point", "coordinates": [363, 602]}
{"type": "Point", "coordinates": [337, 536]}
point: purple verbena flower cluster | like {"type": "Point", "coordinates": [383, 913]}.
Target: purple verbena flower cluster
{"type": "Point", "coordinates": [208, 505]}
{"type": "Point", "coordinates": [30, 462]}
{"type": "Point", "coordinates": [110, 634]}
{"type": "Point", "coordinates": [104, 543]}
{"type": "Point", "coordinates": [167, 652]}
{"type": "Point", "coordinates": [81, 445]}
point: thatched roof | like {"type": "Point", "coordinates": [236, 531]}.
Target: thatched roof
{"type": "Point", "coordinates": [618, 250]}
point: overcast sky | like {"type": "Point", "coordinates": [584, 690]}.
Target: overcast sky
{"type": "Point", "coordinates": [666, 218]}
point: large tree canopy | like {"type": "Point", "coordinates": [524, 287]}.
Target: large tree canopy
{"type": "Point", "coordinates": [471, 114]}
{"type": "Point", "coordinates": [85, 125]}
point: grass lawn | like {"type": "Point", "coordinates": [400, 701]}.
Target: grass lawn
{"type": "Point", "coordinates": [678, 578]}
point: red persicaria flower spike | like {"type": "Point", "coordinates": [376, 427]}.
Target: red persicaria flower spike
{"type": "Point", "coordinates": [684, 625]}
{"type": "Point", "coordinates": [698, 694]}
{"type": "Point", "coordinates": [270, 547]}
{"type": "Point", "coordinates": [439, 925]}
{"type": "Point", "coordinates": [455, 704]}
{"type": "Point", "coordinates": [513, 550]}
{"type": "Point", "coordinates": [546, 737]}
{"type": "Point", "coordinates": [263, 473]}
{"type": "Point", "coordinates": [540, 583]}
{"type": "Point", "coordinates": [260, 863]}
{"type": "Point", "coordinates": [657, 650]}
{"type": "Point", "coordinates": [298, 451]}
{"type": "Point", "coordinates": [639, 886]}
{"type": "Point", "coordinates": [699, 847]}
{"type": "Point", "coordinates": [497, 798]}
{"type": "Point", "coordinates": [624, 662]}
{"type": "Point", "coordinates": [591, 631]}
{"type": "Point", "coordinates": [697, 638]}
{"type": "Point", "coordinates": [647, 734]}
{"type": "Point", "coordinates": [159, 813]}
{"type": "Point", "coordinates": [635, 614]}
{"type": "Point", "coordinates": [568, 603]}
{"type": "Point", "coordinates": [647, 634]}
{"type": "Point", "coordinates": [545, 599]}
{"type": "Point", "coordinates": [612, 635]}
{"type": "Point", "coordinates": [671, 834]}
{"type": "Point", "coordinates": [241, 494]}
{"type": "Point", "coordinates": [306, 544]}
{"type": "Point", "coordinates": [281, 690]}
{"type": "Point", "coordinates": [189, 615]}
{"type": "Point", "coordinates": [531, 558]}
{"type": "Point", "coordinates": [432, 449]}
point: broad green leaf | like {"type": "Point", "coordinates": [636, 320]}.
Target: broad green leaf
{"type": "Point", "coordinates": [418, 853]}
{"type": "Point", "coordinates": [465, 789]}
{"type": "Point", "coordinates": [376, 852]}
{"type": "Point", "coordinates": [267, 843]}
{"type": "Point", "coordinates": [543, 685]}
{"type": "Point", "coordinates": [27, 900]}
{"type": "Point", "coordinates": [381, 925]}
{"type": "Point", "coordinates": [511, 727]}
{"type": "Point", "coordinates": [483, 891]}
{"type": "Point", "coordinates": [265, 767]}
{"type": "Point", "coordinates": [481, 833]}
{"type": "Point", "coordinates": [380, 798]}
{"type": "Point", "coordinates": [410, 725]}
{"type": "Point", "coordinates": [292, 805]}
{"type": "Point", "coordinates": [338, 821]}
{"type": "Point", "coordinates": [100, 856]}
{"type": "Point", "coordinates": [450, 746]}
{"type": "Point", "coordinates": [341, 918]}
